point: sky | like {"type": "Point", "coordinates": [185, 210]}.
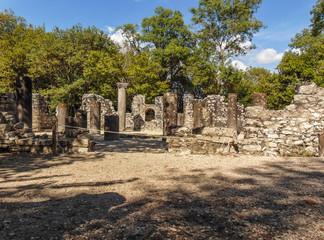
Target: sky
{"type": "Point", "coordinates": [283, 18]}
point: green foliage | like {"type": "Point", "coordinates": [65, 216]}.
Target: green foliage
{"type": "Point", "coordinates": [305, 60]}
{"type": "Point", "coordinates": [17, 39]}
{"type": "Point", "coordinates": [171, 42]}
{"type": "Point", "coordinates": [223, 28]}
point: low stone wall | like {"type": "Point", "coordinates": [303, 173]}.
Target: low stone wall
{"type": "Point", "coordinates": [8, 110]}
{"type": "Point", "coordinates": [292, 131]}
{"type": "Point", "coordinates": [211, 140]}
{"type": "Point", "coordinates": [24, 141]}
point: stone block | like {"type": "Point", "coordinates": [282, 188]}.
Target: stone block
{"type": "Point", "coordinates": [44, 142]}
{"type": "Point", "coordinates": [252, 148]}
{"type": "Point", "coordinates": [111, 128]}
{"type": "Point", "coordinates": [4, 127]}
{"type": "Point", "coordinates": [306, 88]}
{"type": "Point", "coordinates": [80, 143]}
{"type": "Point", "coordinates": [218, 131]}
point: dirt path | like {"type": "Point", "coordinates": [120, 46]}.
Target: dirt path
{"type": "Point", "coordinates": [160, 196]}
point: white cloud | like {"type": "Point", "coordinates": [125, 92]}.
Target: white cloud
{"type": "Point", "coordinates": [238, 64]}
{"type": "Point", "coordinates": [296, 50]}
{"type": "Point", "coordinates": [110, 29]}
{"type": "Point", "coordinates": [246, 44]}
{"type": "Point", "coordinates": [118, 37]}
{"type": "Point", "coordinates": [269, 55]}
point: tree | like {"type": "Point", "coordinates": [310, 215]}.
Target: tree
{"type": "Point", "coordinates": [17, 39]}
{"type": "Point", "coordinates": [305, 60]}
{"type": "Point", "coordinates": [224, 29]}
{"type": "Point", "coordinates": [171, 43]}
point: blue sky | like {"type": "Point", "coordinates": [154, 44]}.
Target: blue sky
{"type": "Point", "coordinates": [284, 19]}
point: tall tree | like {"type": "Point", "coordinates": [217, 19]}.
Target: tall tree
{"type": "Point", "coordinates": [171, 42]}
{"type": "Point", "coordinates": [224, 29]}
{"type": "Point", "coordinates": [17, 39]}
{"type": "Point", "coordinates": [305, 60]}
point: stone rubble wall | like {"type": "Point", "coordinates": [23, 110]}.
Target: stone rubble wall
{"type": "Point", "coordinates": [212, 112]}
{"type": "Point", "coordinates": [212, 140]}
{"type": "Point", "coordinates": [15, 139]}
{"type": "Point", "coordinates": [136, 119]}
{"type": "Point", "coordinates": [107, 107]}
{"type": "Point", "coordinates": [292, 131]}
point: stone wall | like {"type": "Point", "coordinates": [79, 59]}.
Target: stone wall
{"type": "Point", "coordinates": [208, 112]}
{"type": "Point", "coordinates": [107, 107]}
{"type": "Point", "coordinates": [136, 119]}
{"type": "Point", "coordinates": [15, 138]}
{"type": "Point", "coordinates": [8, 110]}
{"type": "Point", "coordinates": [292, 131]}
{"type": "Point", "coordinates": [211, 140]}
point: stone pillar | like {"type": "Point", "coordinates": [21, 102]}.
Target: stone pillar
{"type": "Point", "coordinates": [111, 128]}
{"type": "Point", "coordinates": [321, 145]}
{"type": "Point", "coordinates": [95, 109]}
{"type": "Point", "coordinates": [122, 105]}
{"type": "Point", "coordinates": [180, 120]}
{"type": "Point", "coordinates": [197, 115]}
{"type": "Point", "coordinates": [62, 113]}
{"type": "Point", "coordinates": [36, 113]}
{"type": "Point", "coordinates": [24, 100]}
{"type": "Point", "coordinates": [54, 135]}
{"type": "Point", "coordinates": [232, 111]}
{"type": "Point", "coordinates": [260, 99]}
{"type": "Point", "coordinates": [188, 110]}
{"type": "Point", "coordinates": [170, 112]}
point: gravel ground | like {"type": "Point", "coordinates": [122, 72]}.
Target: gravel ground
{"type": "Point", "coordinates": [129, 195]}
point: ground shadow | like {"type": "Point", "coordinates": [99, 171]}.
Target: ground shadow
{"type": "Point", "coordinates": [131, 145]}
{"type": "Point", "coordinates": [279, 200]}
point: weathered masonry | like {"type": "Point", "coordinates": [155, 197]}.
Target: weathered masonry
{"type": "Point", "coordinates": [296, 130]}
{"type": "Point", "coordinates": [206, 126]}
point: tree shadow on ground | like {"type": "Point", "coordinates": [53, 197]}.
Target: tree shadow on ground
{"type": "Point", "coordinates": [273, 201]}
{"type": "Point", "coordinates": [11, 164]}
{"type": "Point", "coordinates": [131, 145]}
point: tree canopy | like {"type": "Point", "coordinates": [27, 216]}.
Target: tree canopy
{"type": "Point", "coordinates": [163, 54]}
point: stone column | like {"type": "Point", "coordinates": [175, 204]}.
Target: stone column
{"type": "Point", "coordinates": [95, 110]}
{"type": "Point", "coordinates": [188, 110]}
{"type": "Point", "coordinates": [24, 100]}
{"type": "Point", "coordinates": [62, 113]}
{"type": "Point", "coordinates": [260, 99]}
{"type": "Point", "coordinates": [122, 105]}
{"type": "Point", "coordinates": [170, 112]}
{"type": "Point", "coordinates": [36, 113]}
{"type": "Point", "coordinates": [321, 145]}
{"type": "Point", "coordinates": [232, 111]}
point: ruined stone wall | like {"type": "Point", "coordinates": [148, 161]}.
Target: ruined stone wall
{"type": "Point", "coordinates": [41, 118]}
{"type": "Point", "coordinates": [210, 112]}
{"type": "Point", "coordinates": [8, 109]}
{"type": "Point", "coordinates": [107, 107]}
{"type": "Point", "coordinates": [292, 131]}
{"type": "Point", "coordinates": [136, 119]}
{"type": "Point", "coordinates": [15, 138]}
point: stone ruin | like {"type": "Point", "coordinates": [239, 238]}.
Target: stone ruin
{"type": "Point", "coordinates": [206, 126]}
{"type": "Point", "coordinates": [24, 114]}
{"type": "Point", "coordinates": [296, 130]}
